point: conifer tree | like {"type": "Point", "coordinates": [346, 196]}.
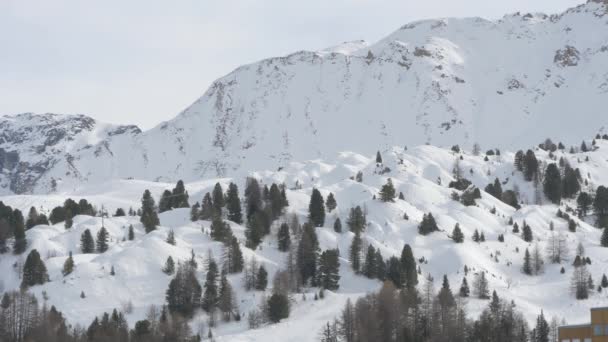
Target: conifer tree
{"type": "Point", "coordinates": [69, 219]}
{"type": "Point", "coordinates": [584, 203]}
{"type": "Point", "coordinates": [218, 199]}
{"type": "Point", "coordinates": [604, 282]}
{"type": "Point", "coordinates": [169, 267]}
{"type": "Point", "coordinates": [276, 200]}
{"type": "Point", "coordinates": [481, 286]}
{"type": "Point", "coordinates": [278, 307]}
{"type": "Point", "coordinates": [32, 218]}
{"type": "Point", "coordinates": [464, 288]}
{"type": "Point", "coordinates": [408, 266]}
{"type": "Point", "coordinates": [380, 266]}
{"type": "Point", "coordinates": [316, 208]}
{"type": "Point", "coordinates": [476, 236]}
{"type": "Point", "coordinates": [527, 266]}
{"type": "Point", "coordinates": [261, 279]}
{"type": "Point", "coordinates": [552, 184]}
{"type": "Point", "coordinates": [87, 243]}
{"type": "Point", "coordinates": [330, 203]}
{"type": "Point", "coordinates": [179, 196]}
{"type": "Point", "coordinates": [378, 157]}
{"type": "Point", "coordinates": [445, 296]}
{"type": "Point", "coordinates": [131, 233]}
{"type": "Point", "coordinates": [355, 253]}
{"type": "Point", "coordinates": [604, 238]}
{"type": "Point", "coordinates": [329, 270]}
{"type": "Point", "coordinates": [206, 212]}
{"type": "Point", "coordinates": [394, 272]}
{"type": "Point", "coordinates": [20, 242]}
{"type": "Point", "coordinates": [234, 256]}
{"type": "Point", "coordinates": [307, 254]}
{"type": "Point", "coordinates": [233, 204]}
{"type": "Point", "coordinates": [68, 265]}
{"type": "Point", "coordinates": [527, 233]}
{"type": "Point", "coordinates": [210, 296]}
{"type": "Point", "coordinates": [541, 331]}
{"type": "Point", "coordinates": [102, 240]}
{"type": "Point", "coordinates": [149, 218]}
{"type": "Point", "coordinates": [457, 235]}
{"type": "Point", "coordinates": [164, 204]}
{"type": "Point", "coordinates": [369, 265]}
{"type": "Point", "coordinates": [220, 230]}
{"type": "Point", "coordinates": [227, 299]}
{"type": "Point", "coordinates": [195, 212]}
{"type": "Point", "coordinates": [171, 237]}
{"type": "Point", "coordinates": [570, 182]}
{"type": "Point", "coordinates": [428, 225]}
{"type": "Point", "coordinates": [34, 270]}
{"type": "Point", "coordinates": [338, 225]}
{"type": "Point", "coordinates": [356, 220]}
{"type": "Point", "coordinates": [387, 193]}
{"type": "Point", "coordinates": [284, 240]}
{"type": "Point", "coordinates": [254, 231]}
{"type": "Point", "coordinates": [253, 197]}
{"type": "Point", "coordinates": [184, 293]}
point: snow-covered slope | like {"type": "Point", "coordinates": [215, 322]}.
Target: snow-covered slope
{"type": "Point", "coordinates": [506, 83]}
{"type": "Point", "coordinates": [415, 173]}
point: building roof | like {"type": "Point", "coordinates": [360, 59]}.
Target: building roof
{"type": "Point", "coordinates": [575, 326]}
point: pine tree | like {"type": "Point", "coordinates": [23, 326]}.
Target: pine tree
{"type": "Point", "coordinates": [276, 200]}
{"type": "Point", "coordinates": [481, 286]}
{"type": "Point", "coordinates": [355, 253]}
{"type": "Point", "coordinates": [218, 199]}
{"type": "Point", "coordinates": [164, 204]}
{"type": "Point", "coordinates": [184, 292]}
{"type": "Point", "coordinates": [234, 256]}
{"type": "Point", "coordinates": [329, 270]}
{"type": "Point", "coordinates": [131, 233]}
{"type": "Point", "coordinates": [380, 266]}
{"type": "Point", "coordinates": [570, 182]}
{"type": "Point", "coordinates": [149, 218]}
{"type": "Point", "coordinates": [284, 240]}
{"type": "Point", "coordinates": [195, 212]}
{"type": "Point", "coordinates": [112, 271]}
{"type": "Point", "coordinates": [356, 220]}
{"type": "Point", "coordinates": [233, 204]}
{"type": "Point", "coordinates": [210, 296]}
{"type": "Point", "coordinates": [604, 282]}
{"type": "Point", "coordinates": [408, 266]}
{"type": "Point", "coordinates": [541, 332]}
{"type": "Point", "coordinates": [387, 193]}
{"type": "Point", "coordinates": [32, 218]}
{"type": "Point", "coordinates": [604, 238]}
{"type": "Point", "coordinates": [87, 243]}
{"type": "Point", "coordinates": [169, 267]}
{"type": "Point", "coordinates": [316, 208]}
{"type": "Point", "coordinates": [527, 266]}
{"type": "Point", "coordinates": [171, 237]}
{"type": "Point", "coordinates": [330, 203]}
{"type": "Point", "coordinates": [206, 212]}
{"type": "Point", "coordinates": [254, 231]}
{"type": "Point", "coordinates": [69, 219]}
{"type": "Point", "coordinates": [68, 265]}
{"type": "Point", "coordinates": [428, 225]}
{"type": "Point", "coordinates": [179, 196]}
{"type": "Point", "coordinates": [278, 307]}
{"type": "Point", "coordinates": [445, 296]}
{"type": "Point", "coordinates": [369, 265]}
{"type": "Point", "coordinates": [475, 236]}
{"type": "Point", "coordinates": [307, 254]}
{"type": "Point", "coordinates": [338, 225]}
{"type": "Point", "coordinates": [464, 288]}
{"type": "Point", "coordinates": [253, 197]}
{"type": "Point", "coordinates": [378, 158]}
{"type": "Point", "coordinates": [34, 270]}
{"type": "Point", "coordinates": [262, 279]}
{"type": "Point", "coordinates": [552, 184]}
{"type": "Point", "coordinates": [220, 230]}
{"type": "Point", "coordinates": [527, 233]}
{"type": "Point", "coordinates": [457, 235]}
{"type": "Point", "coordinates": [227, 299]}
{"type": "Point", "coordinates": [102, 240]}
{"type": "Point", "coordinates": [19, 233]}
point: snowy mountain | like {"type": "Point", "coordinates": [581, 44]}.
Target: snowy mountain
{"type": "Point", "coordinates": [508, 83]}
{"type": "Point", "coordinates": [422, 174]}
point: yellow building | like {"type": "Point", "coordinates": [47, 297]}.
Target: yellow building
{"type": "Point", "coordinates": [596, 331]}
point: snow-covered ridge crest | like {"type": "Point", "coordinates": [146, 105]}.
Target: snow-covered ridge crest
{"type": "Point", "coordinates": [444, 82]}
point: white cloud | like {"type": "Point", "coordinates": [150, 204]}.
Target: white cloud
{"type": "Point", "coordinates": [143, 61]}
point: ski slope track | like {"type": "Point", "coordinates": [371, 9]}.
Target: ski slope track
{"type": "Point", "coordinates": [508, 83]}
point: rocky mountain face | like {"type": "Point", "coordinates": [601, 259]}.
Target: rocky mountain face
{"type": "Point", "coordinates": [508, 83]}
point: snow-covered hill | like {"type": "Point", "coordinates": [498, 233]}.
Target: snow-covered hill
{"type": "Point", "coordinates": [415, 172]}
{"type": "Point", "coordinates": [508, 83]}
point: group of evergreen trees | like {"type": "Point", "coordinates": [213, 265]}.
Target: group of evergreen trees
{"type": "Point", "coordinates": [177, 198]}
{"type": "Point", "coordinates": [12, 225]}
{"type": "Point", "coordinates": [71, 208]}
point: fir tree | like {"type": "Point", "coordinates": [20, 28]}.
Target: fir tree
{"type": "Point", "coordinates": [179, 196]}
{"type": "Point", "coordinates": [34, 270]}
{"type": "Point", "coordinates": [169, 267]}
{"type": "Point", "coordinates": [227, 299]}
{"type": "Point", "coordinates": [552, 184]}
{"type": "Point", "coordinates": [604, 238]}
{"type": "Point", "coordinates": [164, 204]}
{"type": "Point", "coordinates": [369, 265]}
{"type": "Point", "coordinates": [600, 206]}
{"type": "Point", "coordinates": [20, 242]}
{"type": "Point", "coordinates": [475, 236]}
{"type": "Point", "coordinates": [604, 282]}
{"type": "Point", "coordinates": [68, 265]}
{"type": "Point", "coordinates": [184, 293]}
{"type": "Point", "coordinates": [278, 307]}
{"type": "Point", "coordinates": [355, 253]}
{"type": "Point", "coordinates": [316, 208]}
{"type": "Point", "coordinates": [102, 240]}
{"type": "Point", "coordinates": [276, 200]}
{"type": "Point", "coordinates": [131, 233]}
{"type": "Point", "coordinates": [32, 218]}
{"type": "Point", "coordinates": [284, 240]}
{"type": "Point", "coordinates": [87, 243]}
{"type": "Point", "coordinates": [261, 279]}
{"type": "Point", "coordinates": [387, 193]}
{"type": "Point", "coordinates": [149, 218]}
{"type": "Point", "coordinates": [408, 266]}
{"type": "Point", "coordinates": [445, 296]}
{"type": "Point", "coordinates": [380, 266]}
{"type": "Point", "coordinates": [394, 272]}
{"type": "Point", "coordinates": [329, 270]}
{"type": "Point", "coordinates": [428, 225]}
{"type": "Point", "coordinates": [307, 254]}
{"type": "Point", "coordinates": [464, 288]}
{"type": "Point", "coordinates": [330, 203]}
{"type": "Point", "coordinates": [378, 158]}
{"type": "Point", "coordinates": [69, 219]}
{"type": "Point", "coordinates": [570, 182]}
{"type": "Point", "coordinates": [541, 332]}
{"type": "Point", "coordinates": [171, 238]}
{"type": "Point", "coordinates": [481, 286]}
{"type": "Point", "coordinates": [356, 220]}
{"type": "Point", "coordinates": [253, 197]}
{"type": "Point", "coordinates": [527, 233]}
{"type": "Point", "coordinates": [210, 296]}
{"type": "Point", "coordinates": [527, 266]}
{"type": "Point", "coordinates": [338, 225]}
{"type": "Point", "coordinates": [218, 199]}
{"type": "Point", "coordinates": [233, 204]}
{"type": "Point", "coordinates": [195, 212]}
{"type": "Point", "coordinates": [206, 212]}
{"type": "Point", "coordinates": [254, 231]}
{"type": "Point", "coordinates": [457, 235]}
{"type": "Point", "coordinates": [220, 230]}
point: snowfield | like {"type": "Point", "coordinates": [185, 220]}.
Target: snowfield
{"type": "Point", "coordinates": [416, 172]}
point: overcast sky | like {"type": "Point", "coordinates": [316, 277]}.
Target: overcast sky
{"type": "Point", "coordinates": [143, 61]}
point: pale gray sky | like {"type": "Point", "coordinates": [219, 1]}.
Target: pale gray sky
{"type": "Point", "coordinates": [143, 61]}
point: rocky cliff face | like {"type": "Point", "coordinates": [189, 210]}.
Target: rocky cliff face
{"type": "Point", "coordinates": [508, 83]}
